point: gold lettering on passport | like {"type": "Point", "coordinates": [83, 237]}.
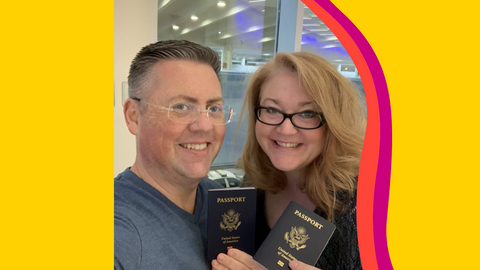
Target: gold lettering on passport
{"type": "Point", "coordinates": [286, 255]}
{"type": "Point", "coordinates": [231, 199]}
{"type": "Point", "coordinates": [230, 239]}
{"type": "Point", "coordinates": [280, 263]}
{"type": "Point", "coordinates": [308, 219]}
{"type": "Point", "coordinates": [297, 237]}
{"type": "Point", "coordinates": [230, 220]}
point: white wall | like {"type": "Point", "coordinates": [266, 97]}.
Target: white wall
{"type": "Point", "coordinates": [135, 27]}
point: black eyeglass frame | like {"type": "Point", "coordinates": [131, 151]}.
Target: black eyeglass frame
{"type": "Point", "coordinates": [289, 116]}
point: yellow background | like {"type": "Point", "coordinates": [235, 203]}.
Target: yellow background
{"type": "Point", "coordinates": [430, 55]}
{"type": "Point", "coordinates": [56, 193]}
{"type": "Point", "coordinates": [56, 188]}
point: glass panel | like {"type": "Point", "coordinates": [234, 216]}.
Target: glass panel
{"type": "Point", "coordinates": [317, 38]}
{"type": "Point", "coordinates": [242, 32]}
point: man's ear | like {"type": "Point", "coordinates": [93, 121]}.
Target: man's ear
{"type": "Point", "coordinates": [131, 112]}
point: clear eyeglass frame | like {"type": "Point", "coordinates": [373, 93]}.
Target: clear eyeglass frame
{"type": "Point", "coordinates": [194, 113]}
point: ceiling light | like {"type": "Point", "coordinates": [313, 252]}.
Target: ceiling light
{"type": "Point", "coordinates": [256, 1]}
{"type": "Point", "coordinates": [265, 39]}
{"type": "Point", "coordinates": [219, 33]}
{"type": "Point", "coordinates": [175, 27]}
{"type": "Point", "coordinates": [331, 38]}
{"type": "Point", "coordinates": [193, 17]}
{"type": "Point", "coordinates": [221, 3]}
{"type": "Point", "coordinates": [254, 28]}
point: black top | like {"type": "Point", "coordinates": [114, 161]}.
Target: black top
{"type": "Point", "coordinates": [341, 251]}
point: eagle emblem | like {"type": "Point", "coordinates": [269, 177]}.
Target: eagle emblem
{"type": "Point", "coordinates": [297, 237]}
{"type": "Point", "coordinates": [230, 220]}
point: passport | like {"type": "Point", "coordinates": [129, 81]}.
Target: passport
{"type": "Point", "coordinates": [299, 234]}
{"type": "Point", "coordinates": [231, 220]}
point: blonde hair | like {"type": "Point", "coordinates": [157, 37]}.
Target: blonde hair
{"type": "Point", "coordinates": [331, 178]}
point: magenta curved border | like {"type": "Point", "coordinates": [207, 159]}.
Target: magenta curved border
{"type": "Point", "coordinates": [382, 183]}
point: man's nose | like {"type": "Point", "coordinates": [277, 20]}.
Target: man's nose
{"type": "Point", "coordinates": [201, 123]}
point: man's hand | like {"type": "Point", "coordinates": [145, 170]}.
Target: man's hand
{"type": "Point", "coordinates": [239, 260]}
{"type": "Point", "coordinates": [235, 260]}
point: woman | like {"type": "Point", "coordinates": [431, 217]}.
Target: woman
{"type": "Point", "coordinates": [304, 142]}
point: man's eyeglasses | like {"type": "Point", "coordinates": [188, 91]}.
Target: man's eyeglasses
{"type": "Point", "coordinates": [185, 113]}
{"type": "Point", "coordinates": [303, 120]}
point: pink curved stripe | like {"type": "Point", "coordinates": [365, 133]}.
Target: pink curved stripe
{"type": "Point", "coordinates": [382, 181]}
{"type": "Point", "coordinates": [369, 160]}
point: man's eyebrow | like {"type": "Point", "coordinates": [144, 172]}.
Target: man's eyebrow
{"type": "Point", "coordinates": [195, 100]}
{"type": "Point", "coordinates": [215, 100]}
{"type": "Point", "coordinates": [184, 97]}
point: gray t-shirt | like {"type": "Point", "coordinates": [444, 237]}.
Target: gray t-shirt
{"type": "Point", "coordinates": [151, 232]}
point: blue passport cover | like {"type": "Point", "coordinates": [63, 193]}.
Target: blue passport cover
{"type": "Point", "coordinates": [231, 220]}
{"type": "Point", "coordinates": [299, 234]}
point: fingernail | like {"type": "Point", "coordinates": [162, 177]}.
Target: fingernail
{"type": "Point", "coordinates": [214, 263]}
{"type": "Point", "coordinates": [220, 257]}
{"type": "Point", "coordinates": [293, 264]}
{"type": "Point", "coordinates": [231, 253]}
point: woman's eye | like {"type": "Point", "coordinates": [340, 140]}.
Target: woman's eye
{"type": "Point", "coordinates": [308, 114]}
{"type": "Point", "coordinates": [271, 111]}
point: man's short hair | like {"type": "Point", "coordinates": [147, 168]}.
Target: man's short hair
{"type": "Point", "coordinates": [139, 78]}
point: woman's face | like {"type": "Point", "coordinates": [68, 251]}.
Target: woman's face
{"type": "Point", "coordinates": [290, 149]}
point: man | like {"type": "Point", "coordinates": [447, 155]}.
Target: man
{"type": "Point", "coordinates": [177, 114]}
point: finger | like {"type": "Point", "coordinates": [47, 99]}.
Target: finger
{"type": "Point", "coordinates": [297, 265]}
{"type": "Point", "coordinates": [245, 259]}
{"type": "Point", "coordinates": [230, 263]}
{"type": "Point", "coordinates": [217, 266]}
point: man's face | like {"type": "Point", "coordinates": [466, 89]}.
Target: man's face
{"type": "Point", "coordinates": [172, 149]}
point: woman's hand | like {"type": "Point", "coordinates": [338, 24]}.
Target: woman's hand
{"type": "Point", "coordinates": [239, 260]}
{"type": "Point", "coordinates": [296, 265]}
